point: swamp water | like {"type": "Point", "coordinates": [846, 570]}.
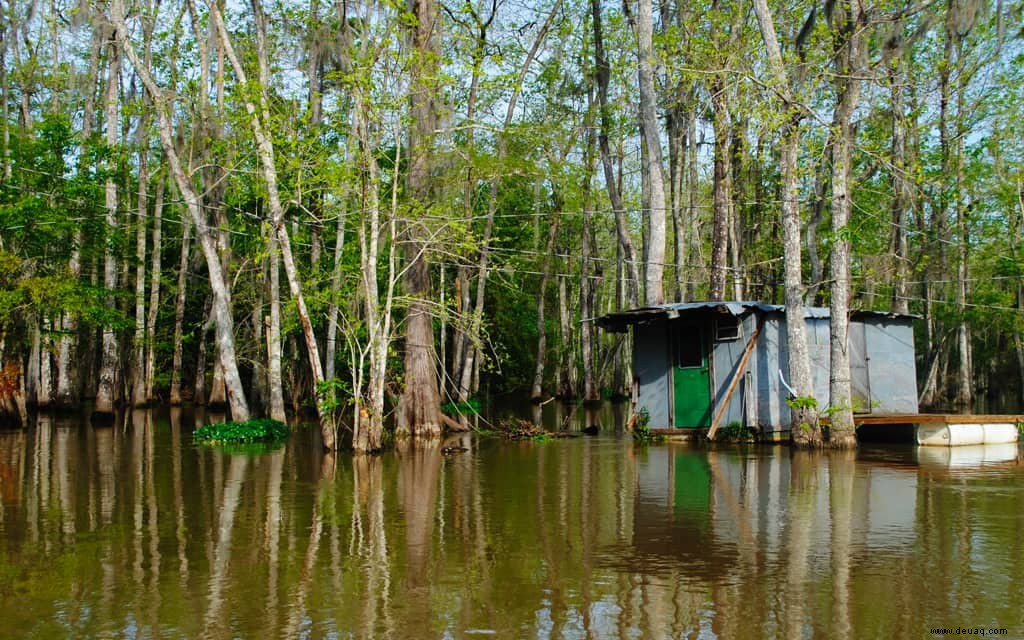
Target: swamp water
{"type": "Point", "coordinates": [134, 532]}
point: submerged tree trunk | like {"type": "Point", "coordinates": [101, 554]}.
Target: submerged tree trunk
{"type": "Point", "coordinates": [179, 311]}
{"type": "Point", "coordinates": [139, 359]}
{"type": "Point", "coordinates": [537, 389]}
{"type": "Point", "coordinates": [804, 428]}
{"type": "Point", "coordinates": [221, 294]}
{"type": "Point", "coordinates": [265, 150]}
{"type": "Point", "coordinates": [849, 64]}
{"type": "Point", "coordinates": [420, 408]}
{"type": "Point", "coordinates": [154, 290]}
{"type": "Point", "coordinates": [274, 377]}
{"type": "Point", "coordinates": [106, 393]}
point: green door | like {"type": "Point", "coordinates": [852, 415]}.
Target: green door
{"type": "Point", "coordinates": [691, 385]}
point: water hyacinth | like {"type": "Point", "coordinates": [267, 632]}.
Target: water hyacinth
{"type": "Point", "coordinates": [255, 430]}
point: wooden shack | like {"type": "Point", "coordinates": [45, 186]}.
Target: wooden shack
{"type": "Point", "coordinates": [696, 362]}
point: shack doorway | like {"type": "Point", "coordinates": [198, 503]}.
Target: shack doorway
{"type": "Point", "coordinates": [691, 382]}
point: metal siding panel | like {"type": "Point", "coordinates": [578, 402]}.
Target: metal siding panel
{"type": "Point", "coordinates": [818, 352]}
{"type": "Point", "coordinates": [650, 365]}
{"type": "Point", "coordinates": [770, 393]}
{"type": "Point", "coordinates": [891, 366]}
{"type": "Point", "coordinates": [860, 379]}
{"type": "Point", "coordinates": [727, 355]}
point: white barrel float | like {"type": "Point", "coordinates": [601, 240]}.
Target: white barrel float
{"type": "Point", "coordinates": [956, 434]}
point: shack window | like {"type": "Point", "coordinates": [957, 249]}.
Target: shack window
{"type": "Point", "coordinates": [689, 352]}
{"type": "Point", "coordinates": [727, 329]}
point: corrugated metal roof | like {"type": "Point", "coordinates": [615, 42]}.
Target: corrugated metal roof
{"type": "Point", "coordinates": [617, 322]}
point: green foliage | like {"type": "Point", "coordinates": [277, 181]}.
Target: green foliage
{"type": "Point", "coordinates": [334, 393]}
{"type": "Point", "coordinates": [802, 402]}
{"type": "Point", "coordinates": [254, 430]}
{"type": "Point", "coordinates": [470, 407]}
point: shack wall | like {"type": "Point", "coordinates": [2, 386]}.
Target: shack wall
{"type": "Point", "coordinates": [651, 367]}
{"type": "Point", "coordinates": [770, 356]}
{"type": "Point", "coordinates": [891, 365]}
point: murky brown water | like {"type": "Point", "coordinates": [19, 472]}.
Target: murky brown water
{"type": "Point", "coordinates": [133, 532]}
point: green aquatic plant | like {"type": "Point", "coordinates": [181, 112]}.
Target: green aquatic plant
{"type": "Point", "coordinates": [736, 431]}
{"type": "Point", "coordinates": [255, 430]}
{"type": "Point", "coordinates": [642, 428]}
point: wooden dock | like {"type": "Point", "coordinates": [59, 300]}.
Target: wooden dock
{"type": "Point", "coordinates": [941, 429]}
{"type": "Point", "coordinates": [933, 418]}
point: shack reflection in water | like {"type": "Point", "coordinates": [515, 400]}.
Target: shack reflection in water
{"type": "Point", "coordinates": [131, 531]}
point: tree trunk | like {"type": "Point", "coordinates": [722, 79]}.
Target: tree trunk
{"type": "Point", "coordinates": [537, 390]}
{"type": "Point", "coordinates": [179, 312]}
{"type": "Point", "coordinates": [654, 171]}
{"type": "Point", "coordinates": [139, 397]}
{"type": "Point", "coordinates": [154, 291]}
{"type": "Point", "coordinates": [568, 382]}
{"type": "Point", "coordinates": [265, 150]}
{"type": "Point", "coordinates": [218, 283]}
{"type": "Point", "coordinates": [199, 383]}
{"type": "Point", "coordinates": [902, 190]}
{"type": "Point", "coordinates": [965, 386]}
{"type": "Point", "coordinates": [368, 431]}
{"type": "Point", "coordinates": [106, 393]}
{"type": "Point", "coordinates": [849, 64]}
{"type": "Point", "coordinates": [420, 409]}
{"type": "Point", "coordinates": [277, 411]}
{"type": "Point", "coordinates": [721, 200]}
{"type": "Point", "coordinates": [602, 75]}
{"type": "Point", "coordinates": [692, 216]}
{"type": "Point", "coordinates": [804, 428]}
{"type": "Point", "coordinates": [331, 346]}
{"type": "Point", "coordinates": [588, 282]}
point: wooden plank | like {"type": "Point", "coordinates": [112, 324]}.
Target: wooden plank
{"type": "Point", "coordinates": [740, 370]}
{"type": "Point", "coordinates": [935, 418]}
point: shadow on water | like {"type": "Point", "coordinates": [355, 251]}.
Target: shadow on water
{"type": "Point", "coordinates": [131, 530]}
{"type": "Point", "coordinates": [555, 415]}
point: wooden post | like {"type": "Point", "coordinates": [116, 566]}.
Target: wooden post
{"type": "Point", "coordinates": [737, 374]}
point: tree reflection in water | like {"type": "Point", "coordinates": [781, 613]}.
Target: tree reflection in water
{"type": "Point", "coordinates": [133, 531]}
